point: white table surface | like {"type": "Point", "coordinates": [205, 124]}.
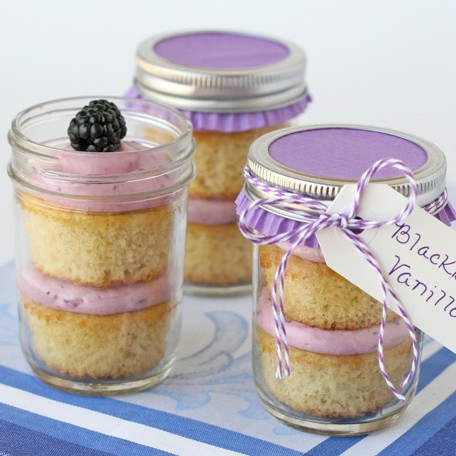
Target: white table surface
{"type": "Point", "coordinates": [389, 63]}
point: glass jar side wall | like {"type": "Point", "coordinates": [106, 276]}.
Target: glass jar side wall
{"type": "Point", "coordinates": [100, 293]}
{"type": "Point", "coordinates": [335, 385]}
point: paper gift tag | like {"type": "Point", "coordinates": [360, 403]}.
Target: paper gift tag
{"type": "Point", "coordinates": [417, 257]}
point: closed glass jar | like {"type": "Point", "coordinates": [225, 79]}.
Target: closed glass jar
{"type": "Point", "coordinates": [234, 87]}
{"type": "Point", "coordinates": [335, 384]}
{"type": "Point", "coordinates": [100, 242]}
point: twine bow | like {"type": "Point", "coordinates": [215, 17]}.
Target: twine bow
{"type": "Point", "coordinates": [316, 218]}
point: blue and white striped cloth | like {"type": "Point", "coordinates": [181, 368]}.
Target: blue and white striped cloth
{"type": "Point", "coordinates": [207, 406]}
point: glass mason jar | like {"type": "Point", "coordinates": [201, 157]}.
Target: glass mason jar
{"type": "Point", "coordinates": [100, 242]}
{"type": "Point", "coordinates": [335, 384]}
{"type": "Point", "coordinates": [234, 88]}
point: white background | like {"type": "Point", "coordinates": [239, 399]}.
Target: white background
{"type": "Point", "coordinates": [389, 63]}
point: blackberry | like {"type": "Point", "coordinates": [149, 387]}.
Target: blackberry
{"type": "Point", "coordinates": [98, 127]}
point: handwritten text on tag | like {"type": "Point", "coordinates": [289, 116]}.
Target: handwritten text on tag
{"type": "Point", "coordinates": [417, 257]}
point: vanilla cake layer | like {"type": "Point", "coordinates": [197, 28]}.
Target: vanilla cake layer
{"type": "Point", "coordinates": [99, 248]}
{"type": "Point", "coordinates": [220, 158]}
{"type": "Point", "coordinates": [317, 296]}
{"type": "Point", "coordinates": [91, 346]}
{"type": "Point", "coordinates": [217, 255]}
{"type": "Point", "coordinates": [334, 386]}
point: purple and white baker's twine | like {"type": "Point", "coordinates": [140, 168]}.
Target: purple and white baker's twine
{"type": "Point", "coordinates": [315, 218]}
{"type": "Point", "coordinates": [437, 204]}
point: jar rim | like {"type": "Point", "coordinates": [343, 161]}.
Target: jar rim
{"type": "Point", "coordinates": [152, 162]}
{"type": "Point", "coordinates": [17, 138]}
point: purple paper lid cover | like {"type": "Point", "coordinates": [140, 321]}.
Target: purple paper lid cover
{"type": "Point", "coordinates": [221, 50]}
{"type": "Point", "coordinates": [318, 161]}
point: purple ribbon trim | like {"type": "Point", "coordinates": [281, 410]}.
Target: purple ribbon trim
{"type": "Point", "coordinates": [240, 121]}
{"type": "Point", "coordinates": [271, 224]}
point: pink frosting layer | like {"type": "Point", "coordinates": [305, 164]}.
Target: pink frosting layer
{"type": "Point", "coordinates": [211, 211]}
{"type": "Point", "coordinates": [64, 295]}
{"type": "Point", "coordinates": [128, 163]}
{"type": "Point", "coordinates": [331, 342]}
{"type": "Point", "coordinates": [306, 253]}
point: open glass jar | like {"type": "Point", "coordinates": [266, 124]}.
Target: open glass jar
{"type": "Point", "coordinates": [336, 383]}
{"type": "Point", "coordinates": [100, 242]}
{"type": "Point", "coordinates": [234, 87]}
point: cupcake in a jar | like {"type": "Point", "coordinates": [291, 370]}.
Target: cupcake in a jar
{"type": "Point", "coordinates": [325, 358]}
{"type": "Point", "coordinates": [332, 328]}
{"type": "Point", "coordinates": [234, 87]}
{"type": "Point", "coordinates": [101, 225]}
